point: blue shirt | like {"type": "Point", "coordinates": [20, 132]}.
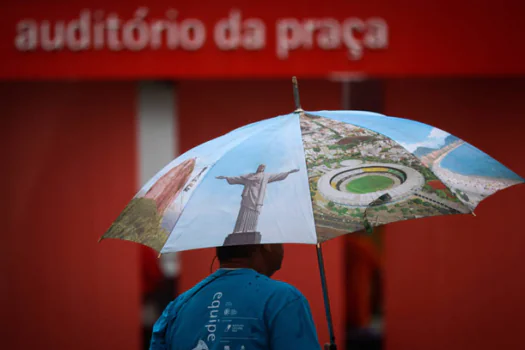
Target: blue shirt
{"type": "Point", "coordinates": [237, 310]}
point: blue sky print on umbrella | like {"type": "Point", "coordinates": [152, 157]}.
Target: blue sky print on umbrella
{"type": "Point", "coordinates": [286, 214]}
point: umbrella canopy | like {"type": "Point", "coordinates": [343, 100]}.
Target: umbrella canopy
{"type": "Point", "coordinates": [307, 177]}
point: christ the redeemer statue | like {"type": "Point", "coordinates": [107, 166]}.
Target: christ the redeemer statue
{"type": "Point", "coordinates": [245, 231]}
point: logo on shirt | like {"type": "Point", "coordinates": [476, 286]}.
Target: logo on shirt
{"type": "Point", "coordinates": [201, 346]}
{"type": "Point", "coordinates": [211, 325]}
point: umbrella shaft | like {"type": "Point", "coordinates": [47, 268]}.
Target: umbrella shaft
{"type": "Point", "coordinates": [325, 296]}
{"type": "Point", "coordinates": [296, 98]}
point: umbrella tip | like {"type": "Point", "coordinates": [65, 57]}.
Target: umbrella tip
{"type": "Point", "coordinates": [296, 98]}
{"type": "Point", "coordinates": [473, 214]}
{"type": "Point", "coordinates": [100, 239]}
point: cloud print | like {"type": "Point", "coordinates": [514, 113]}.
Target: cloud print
{"type": "Point", "coordinates": [435, 139]}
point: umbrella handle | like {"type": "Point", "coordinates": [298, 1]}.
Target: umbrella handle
{"type": "Point", "coordinates": [331, 345]}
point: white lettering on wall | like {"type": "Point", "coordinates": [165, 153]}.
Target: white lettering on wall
{"type": "Point", "coordinates": [52, 38]}
{"type": "Point", "coordinates": [98, 30]}
{"type": "Point", "coordinates": [27, 35]}
{"type": "Point", "coordinates": [233, 32]}
{"type": "Point", "coordinates": [136, 32]}
{"type": "Point", "coordinates": [192, 34]}
{"type": "Point", "coordinates": [78, 32]}
{"type": "Point", "coordinates": [329, 34]}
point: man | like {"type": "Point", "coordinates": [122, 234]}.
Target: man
{"type": "Point", "coordinates": [239, 308]}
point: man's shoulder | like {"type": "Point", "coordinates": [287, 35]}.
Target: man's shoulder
{"type": "Point", "coordinates": [283, 291]}
{"type": "Point", "coordinates": [182, 297]}
{"type": "Point", "coordinates": [286, 288]}
{"type": "Point", "coordinates": [175, 304]}
{"type": "Point", "coordinates": [282, 297]}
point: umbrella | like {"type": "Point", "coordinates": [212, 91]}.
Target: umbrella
{"type": "Point", "coordinates": [307, 177]}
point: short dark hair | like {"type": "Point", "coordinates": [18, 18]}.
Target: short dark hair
{"type": "Point", "coordinates": [226, 253]}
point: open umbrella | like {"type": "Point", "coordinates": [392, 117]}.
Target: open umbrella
{"type": "Point", "coordinates": [307, 177]}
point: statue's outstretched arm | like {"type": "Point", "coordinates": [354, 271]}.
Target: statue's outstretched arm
{"type": "Point", "coordinates": [281, 176]}
{"type": "Point", "coordinates": [233, 180]}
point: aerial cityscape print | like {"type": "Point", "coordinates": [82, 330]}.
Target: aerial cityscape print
{"type": "Point", "coordinates": [350, 167]}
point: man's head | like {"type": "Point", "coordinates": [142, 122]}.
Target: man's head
{"type": "Point", "coordinates": [263, 258]}
{"type": "Point", "coordinates": [261, 168]}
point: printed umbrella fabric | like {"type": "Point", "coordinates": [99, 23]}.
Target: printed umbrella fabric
{"type": "Point", "coordinates": [306, 178]}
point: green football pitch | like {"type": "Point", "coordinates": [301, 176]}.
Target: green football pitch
{"type": "Point", "coordinates": [367, 184]}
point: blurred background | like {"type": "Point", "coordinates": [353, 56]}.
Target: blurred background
{"type": "Point", "coordinates": [96, 96]}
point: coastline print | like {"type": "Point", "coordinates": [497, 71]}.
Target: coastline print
{"type": "Point", "coordinates": [470, 173]}
{"type": "Point", "coordinates": [472, 184]}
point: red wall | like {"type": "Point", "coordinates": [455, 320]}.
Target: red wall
{"type": "Point", "coordinates": [68, 168]}
{"type": "Point", "coordinates": [457, 282]}
{"type": "Point", "coordinates": [433, 37]}
{"type": "Point", "coordinates": [208, 110]}
{"type": "Point", "coordinates": [68, 160]}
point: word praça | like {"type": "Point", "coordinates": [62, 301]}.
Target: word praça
{"type": "Point", "coordinates": [329, 34]}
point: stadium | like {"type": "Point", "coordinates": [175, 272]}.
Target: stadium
{"type": "Point", "coordinates": [357, 185]}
